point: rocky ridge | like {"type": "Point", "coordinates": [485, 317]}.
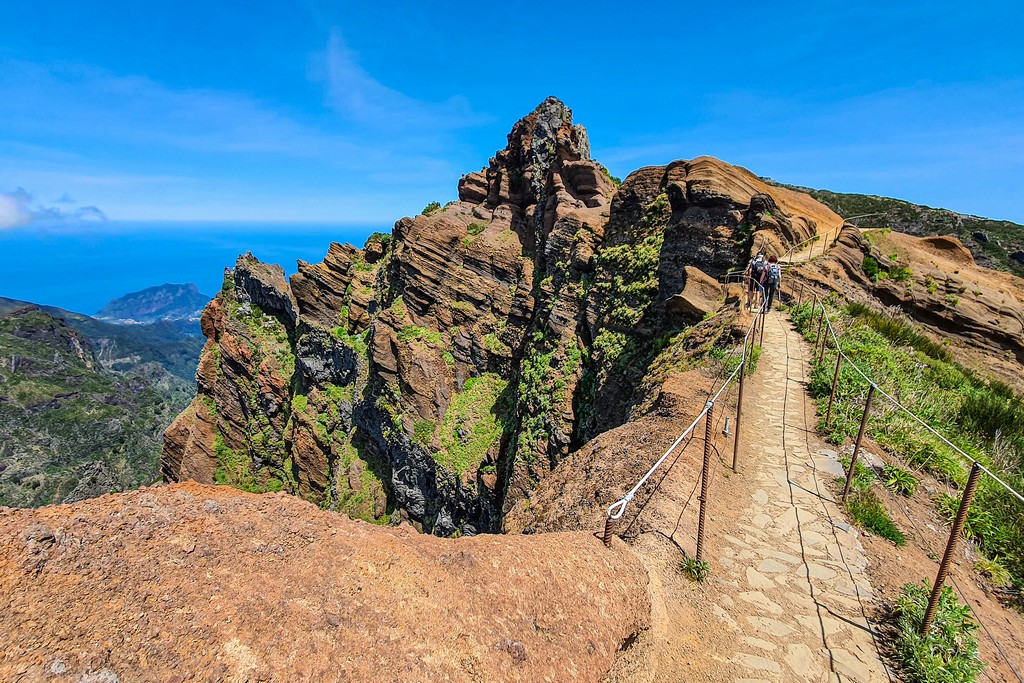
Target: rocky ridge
{"type": "Point", "coordinates": [977, 312]}
{"type": "Point", "coordinates": [289, 592]}
{"type": "Point", "coordinates": [439, 373]}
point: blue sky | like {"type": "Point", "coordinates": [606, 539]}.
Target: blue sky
{"type": "Point", "coordinates": [363, 112]}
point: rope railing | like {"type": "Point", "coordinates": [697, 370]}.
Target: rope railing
{"type": "Point", "coordinates": [976, 466]}
{"type": "Point", "coordinates": [617, 509]}
{"type": "Point", "coordinates": [907, 411]}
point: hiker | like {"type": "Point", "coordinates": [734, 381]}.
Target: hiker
{"type": "Point", "coordinates": [771, 280]}
{"type": "Point", "coordinates": [755, 273]}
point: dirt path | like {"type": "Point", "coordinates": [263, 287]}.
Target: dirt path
{"type": "Point", "coordinates": [788, 595]}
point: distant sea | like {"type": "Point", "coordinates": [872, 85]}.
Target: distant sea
{"type": "Point", "coordinates": [80, 269]}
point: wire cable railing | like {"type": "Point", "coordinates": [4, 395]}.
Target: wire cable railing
{"type": "Point", "coordinates": [617, 509]}
{"type": "Point", "coordinates": [895, 402]}
{"type": "Point", "coordinates": [977, 467]}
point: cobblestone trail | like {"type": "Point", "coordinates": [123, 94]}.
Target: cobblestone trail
{"type": "Point", "coordinates": [798, 568]}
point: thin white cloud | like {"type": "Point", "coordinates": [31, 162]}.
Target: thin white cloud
{"type": "Point", "coordinates": [14, 209]}
{"type": "Point", "coordinates": [19, 208]}
{"type": "Point", "coordinates": [361, 98]}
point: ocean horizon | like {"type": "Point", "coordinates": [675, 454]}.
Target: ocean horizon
{"type": "Point", "coordinates": [81, 268]}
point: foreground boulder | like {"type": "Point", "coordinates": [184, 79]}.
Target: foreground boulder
{"type": "Point", "coordinates": [193, 582]}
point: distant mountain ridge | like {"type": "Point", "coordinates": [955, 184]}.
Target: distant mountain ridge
{"type": "Point", "coordinates": [75, 426]}
{"type": "Point", "coordinates": [166, 302]}
{"type": "Point", "coordinates": [993, 243]}
{"type": "Point", "coordinates": [123, 347]}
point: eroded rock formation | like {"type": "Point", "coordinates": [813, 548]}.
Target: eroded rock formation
{"type": "Point", "coordinates": [189, 582]}
{"type": "Point", "coordinates": [441, 372]}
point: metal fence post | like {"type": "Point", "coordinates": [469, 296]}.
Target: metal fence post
{"type": "Point", "coordinates": [739, 408]}
{"type": "Point", "coordinates": [821, 323]}
{"type": "Point", "coordinates": [704, 472]}
{"type": "Point", "coordinates": [860, 436]}
{"type": "Point", "coordinates": [835, 383]}
{"type": "Point", "coordinates": [800, 299]}
{"type": "Point", "coordinates": [954, 536]}
{"type": "Point", "coordinates": [607, 537]}
{"type": "Point", "coordinates": [824, 345]}
{"type": "Point", "coordinates": [763, 314]}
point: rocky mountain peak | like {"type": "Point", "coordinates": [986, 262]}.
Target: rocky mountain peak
{"type": "Point", "coordinates": [441, 372]}
{"type": "Point", "coordinates": [542, 144]}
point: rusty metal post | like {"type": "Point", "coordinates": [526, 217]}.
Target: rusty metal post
{"type": "Point", "coordinates": [800, 299]}
{"type": "Point", "coordinates": [821, 323]}
{"type": "Point", "coordinates": [608, 523]}
{"type": "Point", "coordinates": [860, 436]}
{"type": "Point", "coordinates": [824, 345]}
{"type": "Point", "coordinates": [704, 476]}
{"type": "Point", "coordinates": [835, 383]}
{"type": "Point", "coordinates": [739, 409]}
{"type": "Point", "coordinates": [763, 314]}
{"type": "Point", "coordinates": [954, 536]}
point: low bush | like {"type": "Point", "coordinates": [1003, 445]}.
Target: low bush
{"type": "Point", "coordinates": [869, 513]}
{"type": "Point", "coordinates": [949, 652]}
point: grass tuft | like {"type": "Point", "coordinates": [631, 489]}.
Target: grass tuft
{"type": "Point", "coordinates": [697, 570]}
{"type": "Point", "coordinates": [949, 653]}
{"type": "Point", "coordinates": [869, 513]}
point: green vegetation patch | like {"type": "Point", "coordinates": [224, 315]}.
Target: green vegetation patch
{"type": "Point", "coordinates": [358, 489]}
{"type": "Point", "coordinates": [984, 419]}
{"type": "Point", "coordinates": [869, 513]}
{"type": "Point", "coordinates": [475, 420]}
{"type": "Point", "coordinates": [949, 652]}
{"type": "Point", "coordinates": [417, 333]}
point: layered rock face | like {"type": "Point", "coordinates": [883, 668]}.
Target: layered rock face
{"type": "Point", "coordinates": [935, 281]}
{"type": "Point", "coordinates": [439, 373]}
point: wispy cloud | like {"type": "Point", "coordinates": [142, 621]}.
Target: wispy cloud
{"type": "Point", "coordinates": [14, 209]}
{"type": "Point", "coordinates": [143, 149]}
{"type": "Point", "coordinates": [361, 98]}
{"type": "Point", "coordinates": [18, 208]}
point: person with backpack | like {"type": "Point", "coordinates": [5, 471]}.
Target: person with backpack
{"type": "Point", "coordinates": [755, 273]}
{"type": "Point", "coordinates": [771, 280]}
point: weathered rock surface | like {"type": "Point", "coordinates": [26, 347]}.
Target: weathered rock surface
{"type": "Point", "coordinates": [462, 357]}
{"type": "Point", "coordinates": [191, 582]}
{"type": "Point", "coordinates": [935, 281]}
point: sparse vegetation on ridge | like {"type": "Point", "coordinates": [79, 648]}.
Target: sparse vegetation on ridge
{"type": "Point", "coordinates": [985, 419]}
{"type": "Point", "coordinates": [949, 653]}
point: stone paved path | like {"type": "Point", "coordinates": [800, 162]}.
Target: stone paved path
{"type": "Point", "coordinates": [793, 572]}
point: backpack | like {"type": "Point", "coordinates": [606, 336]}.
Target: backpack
{"type": "Point", "coordinates": [757, 268]}
{"type": "Point", "coordinates": [774, 274]}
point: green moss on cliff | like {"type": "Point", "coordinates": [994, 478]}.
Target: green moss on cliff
{"type": "Point", "coordinates": [475, 420]}
{"type": "Point", "coordinates": [359, 493]}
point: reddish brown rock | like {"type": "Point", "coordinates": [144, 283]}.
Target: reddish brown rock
{"type": "Point", "coordinates": [190, 581]}
{"type": "Point", "coordinates": [701, 295]}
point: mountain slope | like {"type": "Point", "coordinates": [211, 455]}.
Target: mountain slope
{"type": "Point", "coordinates": [166, 302]}
{"type": "Point", "coordinates": [73, 429]}
{"type": "Point", "coordinates": [124, 347]}
{"type": "Point", "coordinates": [993, 243]}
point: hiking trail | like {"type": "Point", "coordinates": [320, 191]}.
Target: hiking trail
{"type": "Point", "coordinates": [788, 596]}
